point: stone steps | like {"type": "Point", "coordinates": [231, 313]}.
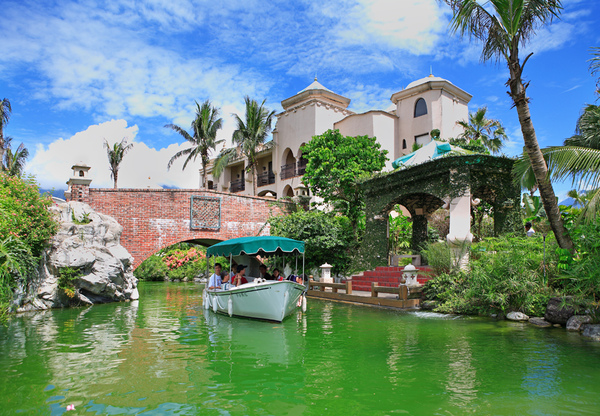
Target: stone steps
{"type": "Point", "coordinates": [386, 276]}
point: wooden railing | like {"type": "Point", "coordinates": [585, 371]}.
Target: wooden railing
{"type": "Point", "coordinates": [333, 286]}
{"type": "Point", "coordinates": [404, 292]}
{"type": "Point", "coordinates": [237, 185]}
{"type": "Point", "coordinates": [265, 178]}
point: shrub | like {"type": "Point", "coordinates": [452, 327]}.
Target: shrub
{"type": "Point", "coordinates": [24, 213]}
{"type": "Point", "coordinates": [66, 280]}
{"type": "Point", "coordinates": [151, 269]}
{"type": "Point", "coordinates": [506, 274]}
{"type": "Point", "coordinates": [328, 237]}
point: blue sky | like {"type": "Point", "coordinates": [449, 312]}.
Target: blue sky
{"type": "Point", "coordinates": [79, 72]}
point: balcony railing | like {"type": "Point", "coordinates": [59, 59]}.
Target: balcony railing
{"type": "Point", "coordinates": [301, 166]}
{"type": "Point", "coordinates": [265, 178]}
{"type": "Point", "coordinates": [237, 185]}
{"type": "Point", "coordinates": [288, 171]}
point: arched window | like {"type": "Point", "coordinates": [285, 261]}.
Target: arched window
{"type": "Point", "coordinates": [404, 143]}
{"type": "Point", "coordinates": [81, 174]}
{"type": "Point", "coordinates": [420, 108]}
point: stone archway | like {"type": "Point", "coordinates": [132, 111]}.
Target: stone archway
{"type": "Point", "coordinates": [424, 188]}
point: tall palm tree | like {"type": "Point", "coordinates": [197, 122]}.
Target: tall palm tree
{"type": "Point", "coordinates": [204, 138]}
{"type": "Point", "coordinates": [115, 157]}
{"type": "Point", "coordinates": [249, 136]}
{"type": "Point", "coordinates": [503, 26]}
{"type": "Point", "coordinates": [595, 66]}
{"type": "Point", "coordinates": [13, 163]}
{"type": "Point", "coordinates": [5, 110]}
{"type": "Point", "coordinates": [479, 127]}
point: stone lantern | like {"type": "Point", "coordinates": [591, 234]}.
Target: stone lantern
{"type": "Point", "coordinates": [410, 275]}
{"type": "Point", "coordinates": [326, 273]}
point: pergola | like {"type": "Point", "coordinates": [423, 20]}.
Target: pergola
{"type": "Point", "coordinates": [452, 181]}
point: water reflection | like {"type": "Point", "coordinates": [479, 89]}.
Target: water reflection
{"type": "Point", "coordinates": [166, 355]}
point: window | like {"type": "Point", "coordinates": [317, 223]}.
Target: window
{"type": "Point", "coordinates": [422, 139]}
{"type": "Point", "coordinates": [420, 108]}
{"type": "Point", "coordinates": [404, 143]}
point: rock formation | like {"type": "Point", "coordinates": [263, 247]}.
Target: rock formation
{"type": "Point", "coordinates": [88, 247]}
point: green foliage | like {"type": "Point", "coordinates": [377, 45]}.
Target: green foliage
{"type": "Point", "coordinates": [506, 274]}
{"type": "Point", "coordinates": [85, 218]}
{"type": "Point", "coordinates": [482, 221]}
{"type": "Point", "coordinates": [16, 263]}
{"type": "Point", "coordinates": [335, 162]}
{"type": "Point", "coordinates": [152, 269]}
{"type": "Point", "coordinates": [328, 237]}
{"type": "Point", "coordinates": [580, 276]}
{"type": "Point", "coordinates": [115, 154]}
{"type": "Point", "coordinates": [67, 276]}
{"type": "Point", "coordinates": [24, 213]}
{"type": "Point", "coordinates": [400, 233]}
{"type": "Point", "coordinates": [473, 145]}
{"type": "Point", "coordinates": [481, 135]}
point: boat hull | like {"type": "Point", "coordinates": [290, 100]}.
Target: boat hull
{"type": "Point", "coordinates": [272, 301]}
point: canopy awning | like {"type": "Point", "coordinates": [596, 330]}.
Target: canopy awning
{"type": "Point", "coordinates": [428, 152]}
{"type": "Point", "coordinates": [252, 246]}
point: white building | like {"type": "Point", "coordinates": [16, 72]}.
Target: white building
{"type": "Point", "coordinates": [426, 104]}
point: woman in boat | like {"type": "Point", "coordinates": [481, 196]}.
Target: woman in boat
{"type": "Point", "coordinates": [277, 275]}
{"type": "Point", "coordinates": [239, 278]}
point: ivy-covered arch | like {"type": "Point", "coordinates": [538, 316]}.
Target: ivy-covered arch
{"type": "Point", "coordinates": [424, 188]}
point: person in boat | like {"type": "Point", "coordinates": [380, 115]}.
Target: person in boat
{"type": "Point", "coordinates": [263, 272]}
{"type": "Point", "coordinates": [239, 278]}
{"type": "Point", "coordinates": [217, 278]}
{"type": "Point", "coordinates": [277, 275]}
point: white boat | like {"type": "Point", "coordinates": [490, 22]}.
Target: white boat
{"type": "Point", "coordinates": [260, 299]}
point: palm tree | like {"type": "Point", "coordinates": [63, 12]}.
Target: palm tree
{"type": "Point", "coordinates": [5, 110]}
{"type": "Point", "coordinates": [14, 163]}
{"type": "Point", "coordinates": [249, 136]}
{"type": "Point", "coordinates": [503, 26]}
{"type": "Point", "coordinates": [578, 159]}
{"type": "Point", "coordinates": [204, 139]}
{"type": "Point", "coordinates": [595, 66]}
{"type": "Point", "coordinates": [115, 157]}
{"type": "Point", "coordinates": [490, 132]}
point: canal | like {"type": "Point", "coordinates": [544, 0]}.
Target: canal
{"type": "Point", "coordinates": [166, 355]}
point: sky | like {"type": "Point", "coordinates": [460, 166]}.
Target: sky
{"type": "Point", "coordinates": [79, 73]}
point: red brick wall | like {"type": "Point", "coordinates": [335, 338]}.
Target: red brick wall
{"type": "Point", "coordinates": [156, 218]}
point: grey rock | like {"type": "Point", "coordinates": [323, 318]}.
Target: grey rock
{"type": "Point", "coordinates": [559, 310]}
{"type": "Point", "coordinates": [517, 316]}
{"type": "Point", "coordinates": [95, 250]}
{"type": "Point", "coordinates": [591, 331]}
{"type": "Point", "coordinates": [541, 322]}
{"type": "Point", "coordinates": [576, 321]}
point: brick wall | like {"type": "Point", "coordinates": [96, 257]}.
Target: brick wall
{"type": "Point", "coordinates": [153, 219]}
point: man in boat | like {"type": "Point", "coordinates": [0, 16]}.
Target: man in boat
{"type": "Point", "coordinates": [217, 278]}
{"type": "Point", "coordinates": [263, 272]}
{"type": "Point", "coordinates": [239, 278]}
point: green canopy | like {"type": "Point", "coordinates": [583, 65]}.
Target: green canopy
{"type": "Point", "coordinates": [252, 246]}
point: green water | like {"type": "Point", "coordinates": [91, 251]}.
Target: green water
{"type": "Point", "coordinates": [166, 355]}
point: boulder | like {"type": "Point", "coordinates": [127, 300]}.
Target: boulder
{"type": "Point", "coordinates": [576, 321]}
{"type": "Point", "coordinates": [517, 316]}
{"type": "Point", "coordinates": [541, 322]}
{"type": "Point", "coordinates": [591, 331]}
{"type": "Point", "coordinates": [88, 242]}
{"type": "Point", "coordinates": [559, 310]}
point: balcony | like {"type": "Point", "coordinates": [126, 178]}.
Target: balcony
{"type": "Point", "coordinates": [237, 185]}
{"type": "Point", "coordinates": [265, 178]}
{"type": "Point", "coordinates": [288, 171]}
{"type": "Point", "coordinates": [301, 167]}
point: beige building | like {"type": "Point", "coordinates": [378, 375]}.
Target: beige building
{"type": "Point", "coordinates": [426, 104]}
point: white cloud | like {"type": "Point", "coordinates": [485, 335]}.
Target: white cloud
{"type": "Point", "coordinates": [143, 166]}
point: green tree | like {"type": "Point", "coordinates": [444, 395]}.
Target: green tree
{"type": "Point", "coordinates": [5, 110]}
{"type": "Point", "coordinates": [115, 157]}
{"type": "Point", "coordinates": [14, 162]}
{"type": "Point", "coordinates": [595, 66]}
{"type": "Point", "coordinates": [504, 26]}
{"type": "Point", "coordinates": [249, 137]}
{"type": "Point", "coordinates": [204, 138]}
{"type": "Point", "coordinates": [478, 127]}
{"type": "Point", "coordinates": [335, 162]}
{"type": "Point", "coordinates": [328, 237]}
